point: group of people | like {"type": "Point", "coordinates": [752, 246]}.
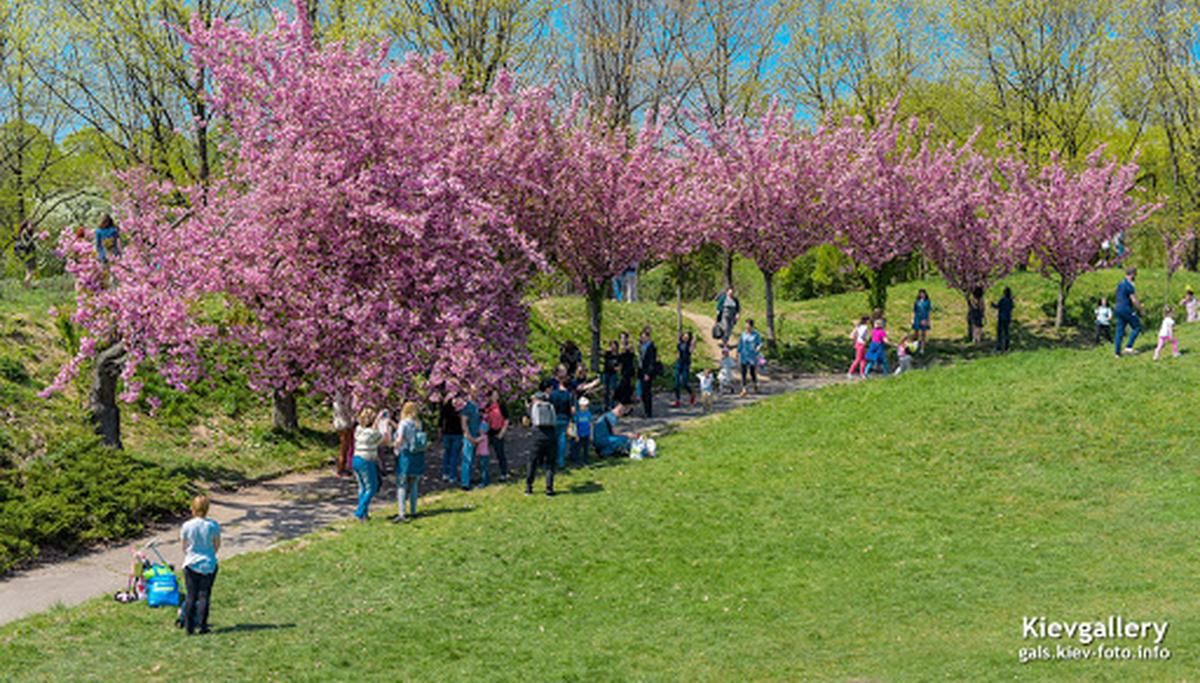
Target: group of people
{"type": "Point", "coordinates": [1126, 313]}
{"type": "Point", "coordinates": [870, 339]}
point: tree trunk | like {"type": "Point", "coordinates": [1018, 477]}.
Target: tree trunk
{"type": "Point", "coordinates": [1060, 311]}
{"type": "Point", "coordinates": [728, 270]}
{"type": "Point", "coordinates": [769, 295]}
{"type": "Point", "coordinates": [102, 400]}
{"type": "Point", "coordinates": [595, 303]}
{"type": "Point", "coordinates": [877, 286]}
{"type": "Point", "coordinates": [284, 404]}
{"type": "Point", "coordinates": [679, 277]}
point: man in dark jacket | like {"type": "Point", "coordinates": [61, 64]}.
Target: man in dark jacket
{"type": "Point", "coordinates": [649, 368]}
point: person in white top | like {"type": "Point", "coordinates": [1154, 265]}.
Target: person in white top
{"type": "Point", "coordinates": [860, 336]}
{"type": "Point", "coordinates": [368, 436]}
{"type": "Point", "coordinates": [1104, 316]}
{"type": "Point", "coordinates": [1166, 333]}
{"type": "Point", "coordinates": [706, 389]}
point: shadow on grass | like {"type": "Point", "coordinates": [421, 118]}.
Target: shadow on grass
{"type": "Point", "coordinates": [586, 487]}
{"type": "Point", "coordinates": [443, 511]}
{"type": "Point", "coordinates": [247, 628]}
{"type": "Point", "coordinates": [817, 354]}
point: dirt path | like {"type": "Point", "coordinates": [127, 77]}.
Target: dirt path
{"type": "Point", "coordinates": [258, 517]}
{"type": "Point", "coordinates": [705, 325]}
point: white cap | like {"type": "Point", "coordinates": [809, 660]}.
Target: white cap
{"type": "Point", "coordinates": [583, 402]}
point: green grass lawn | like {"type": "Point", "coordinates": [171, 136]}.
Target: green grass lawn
{"type": "Point", "coordinates": [885, 530]}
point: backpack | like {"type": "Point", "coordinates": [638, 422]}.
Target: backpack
{"type": "Point", "coordinates": [162, 588]}
{"type": "Point", "coordinates": [541, 414]}
{"type": "Point", "coordinates": [420, 441]}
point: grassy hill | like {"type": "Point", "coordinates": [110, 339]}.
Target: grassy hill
{"type": "Point", "coordinates": [883, 530]}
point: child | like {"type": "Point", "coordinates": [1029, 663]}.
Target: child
{"type": "Point", "coordinates": [483, 453]}
{"type": "Point", "coordinates": [706, 389]}
{"type": "Point", "coordinates": [861, 336]}
{"type": "Point", "coordinates": [582, 443]}
{"type": "Point", "coordinates": [877, 351]}
{"type": "Point", "coordinates": [903, 355]}
{"type": "Point", "coordinates": [1104, 316]}
{"type": "Point", "coordinates": [1166, 333]}
{"type": "Point", "coordinates": [725, 376]}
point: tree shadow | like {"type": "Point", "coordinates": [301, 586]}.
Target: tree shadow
{"type": "Point", "coordinates": [248, 628]}
{"type": "Point", "coordinates": [443, 511]}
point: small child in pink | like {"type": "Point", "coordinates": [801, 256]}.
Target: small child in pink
{"type": "Point", "coordinates": [861, 336]}
{"type": "Point", "coordinates": [1166, 333]}
{"type": "Point", "coordinates": [904, 355]}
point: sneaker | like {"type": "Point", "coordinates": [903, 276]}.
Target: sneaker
{"type": "Point", "coordinates": [1130, 351]}
{"type": "Point", "coordinates": [1176, 355]}
{"type": "Point", "coordinates": [675, 404]}
{"type": "Point", "coordinates": [550, 493]}
{"type": "Point", "coordinates": [743, 394]}
{"type": "Point", "coordinates": [396, 519]}
{"type": "Point", "coordinates": [529, 492]}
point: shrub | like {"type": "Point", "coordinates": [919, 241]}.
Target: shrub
{"type": "Point", "coordinates": [81, 493]}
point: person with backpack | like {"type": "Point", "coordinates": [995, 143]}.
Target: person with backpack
{"type": "Point", "coordinates": [200, 539]}
{"type": "Point", "coordinates": [649, 368]}
{"type": "Point", "coordinates": [411, 441]}
{"type": "Point", "coordinates": [728, 308]}
{"type": "Point", "coordinates": [496, 416]}
{"type": "Point", "coordinates": [545, 424]}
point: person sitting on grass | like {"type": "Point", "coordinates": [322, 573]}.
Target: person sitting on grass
{"type": "Point", "coordinates": [877, 351]}
{"type": "Point", "coordinates": [609, 443]}
{"type": "Point", "coordinates": [1166, 333]}
{"type": "Point", "coordinates": [200, 540]}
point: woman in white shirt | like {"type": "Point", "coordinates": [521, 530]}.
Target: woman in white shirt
{"type": "Point", "coordinates": [368, 437]}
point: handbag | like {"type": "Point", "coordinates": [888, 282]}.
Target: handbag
{"type": "Point", "coordinates": [718, 332]}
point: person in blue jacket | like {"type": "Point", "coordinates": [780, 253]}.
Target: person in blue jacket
{"type": "Point", "coordinates": [608, 442]}
{"type": "Point", "coordinates": [748, 347]}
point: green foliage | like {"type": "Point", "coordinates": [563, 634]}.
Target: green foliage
{"type": "Point", "coordinates": [12, 370]}
{"type": "Point", "coordinates": [81, 493]}
{"type": "Point", "coordinates": [822, 271]}
{"type": "Point", "coordinates": [855, 532]}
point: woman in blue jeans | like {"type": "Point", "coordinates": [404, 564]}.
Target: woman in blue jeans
{"type": "Point", "coordinates": [368, 436]}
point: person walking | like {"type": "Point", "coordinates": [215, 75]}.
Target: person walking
{"type": "Point", "coordinates": [1166, 333]}
{"type": "Point", "coordinates": [411, 442]}
{"type": "Point", "coordinates": [748, 348]}
{"type": "Point", "coordinates": [922, 312]}
{"type": "Point", "coordinates": [728, 308]}
{"type": "Point", "coordinates": [367, 438]}
{"type": "Point", "coordinates": [200, 539]}
{"type": "Point", "coordinates": [108, 239]}
{"type": "Point", "coordinates": [452, 440]}
{"type": "Point", "coordinates": [496, 416]}
{"type": "Point", "coordinates": [1004, 311]}
{"type": "Point", "coordinates": [860, 336]}
{"type": "Point", "coordinates": [1126, 309]}
{"type": "Point", "coordinates": [343, 424]}
{"type": "Point", "coordinates": [683, 368]}
{"type": "Point", "coordinates": [545, 440]}
{"type": "Point", "coordinates": [649, 369]}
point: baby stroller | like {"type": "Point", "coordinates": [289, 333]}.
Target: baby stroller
{"type": "Point", "coordinates": [155, 581]}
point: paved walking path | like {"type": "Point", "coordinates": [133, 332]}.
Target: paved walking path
{"type": "Point", "coordinates": [257, 517]}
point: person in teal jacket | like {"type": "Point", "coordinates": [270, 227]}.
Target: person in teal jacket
{"type": "Point", "coordinates": [749, 345]}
